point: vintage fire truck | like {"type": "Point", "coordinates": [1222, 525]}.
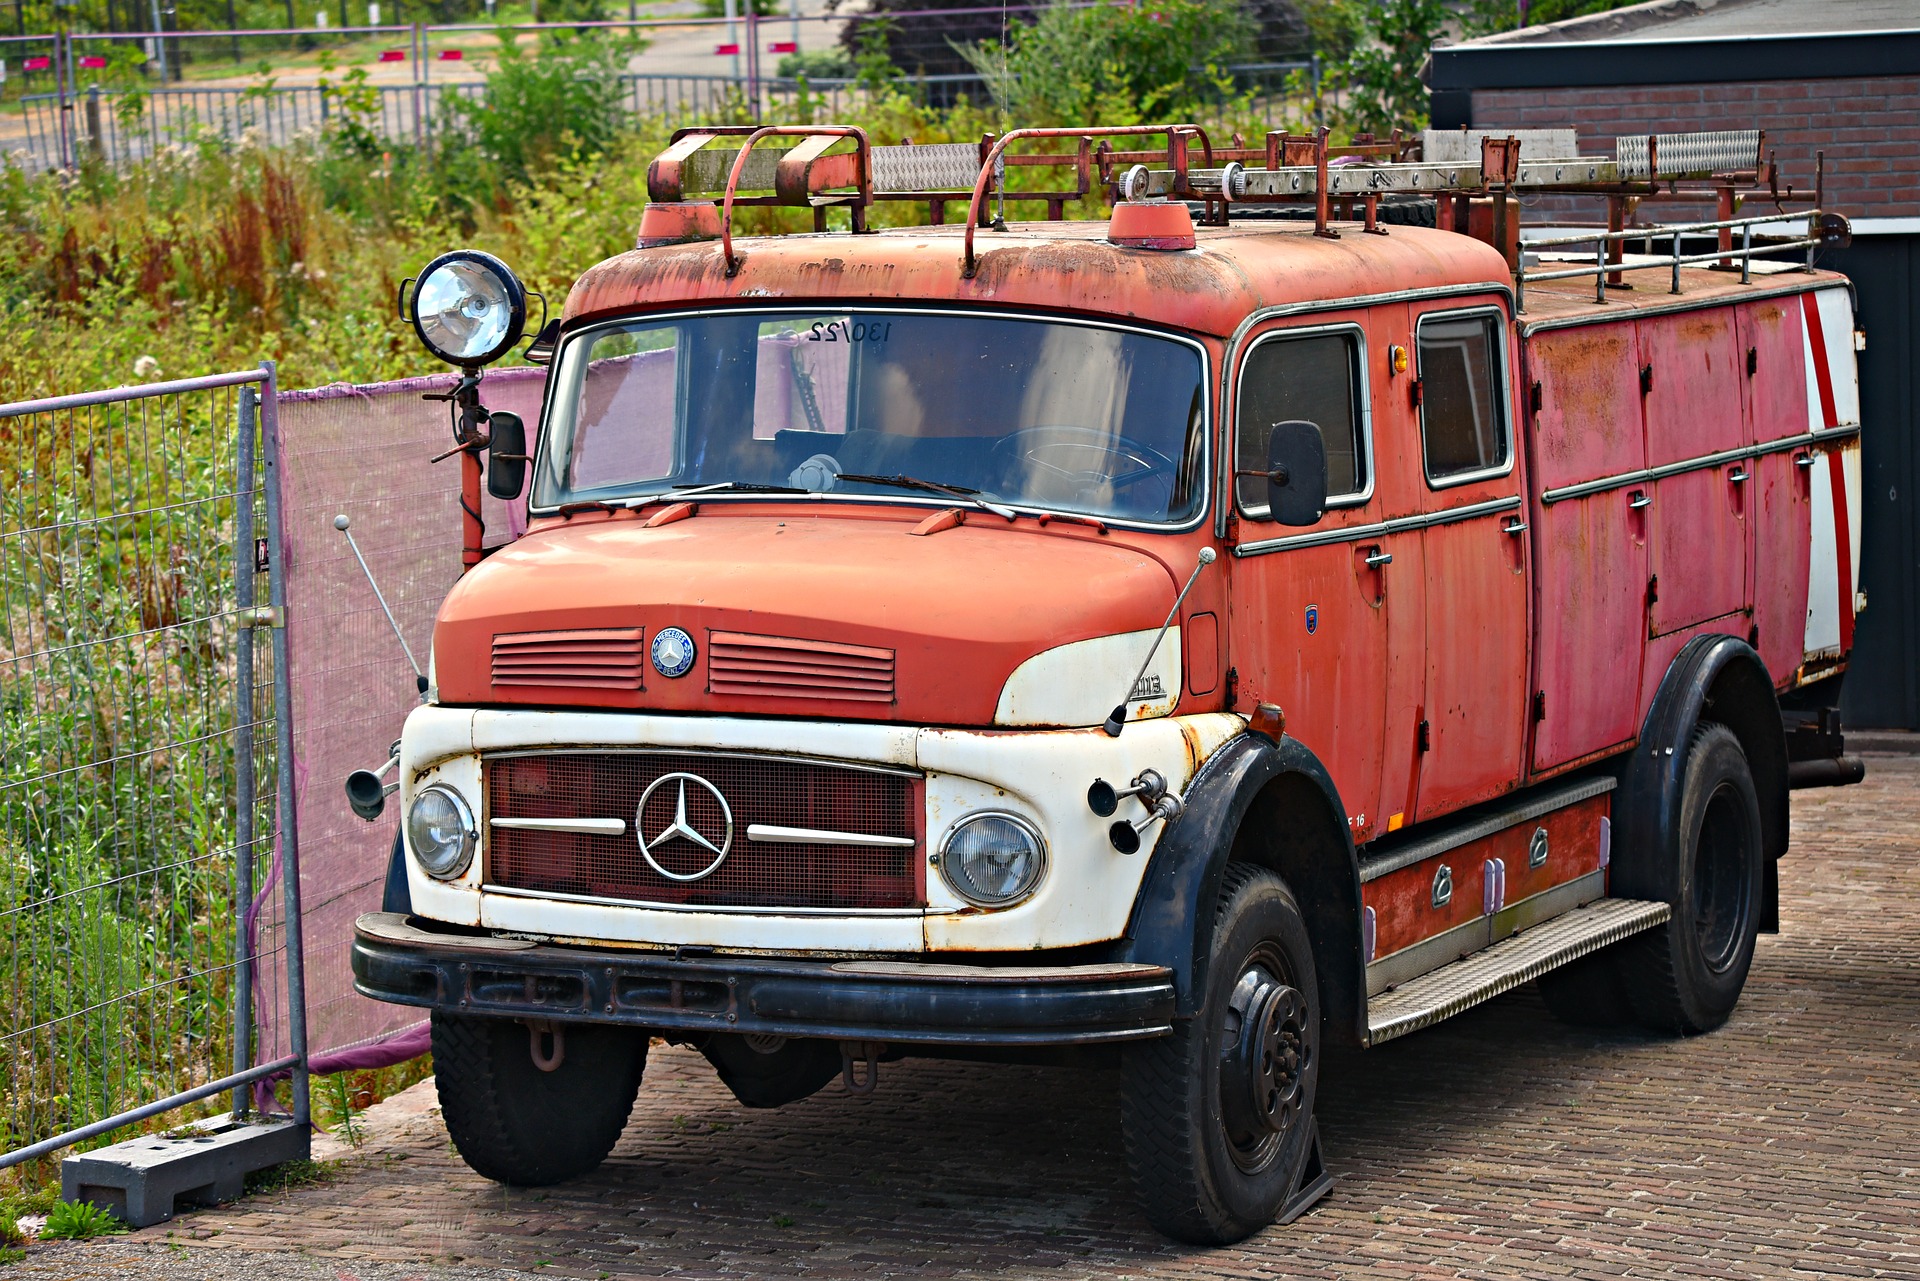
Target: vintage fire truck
{"type": "Point", "coordinates": [1189, 637]}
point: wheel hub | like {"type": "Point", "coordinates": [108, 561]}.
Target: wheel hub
{"type": "Point", "coordinates": [1264, 1060]}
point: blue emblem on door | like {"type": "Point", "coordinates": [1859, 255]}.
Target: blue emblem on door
{"type": "Point", "coordinates": [1313, 619]}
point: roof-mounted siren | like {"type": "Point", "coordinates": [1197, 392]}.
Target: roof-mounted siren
{"type": "Point", "coordinates": [1146, 219]}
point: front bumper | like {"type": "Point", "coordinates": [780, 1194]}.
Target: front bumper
{"type": "Point", "coordinates": [874, 1000]}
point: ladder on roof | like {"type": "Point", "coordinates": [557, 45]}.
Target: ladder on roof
{"type": "Point", "coordinates": [1475, 193]}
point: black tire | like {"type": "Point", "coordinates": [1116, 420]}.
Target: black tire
{"type": "Point", "coordinates": [1218, 1116]}
{"type": "Point", "coordinates": [1410, 211]}
{"type": "Point", "coordinates": [1686, 975]}
{"type": "Point", "coordinates": [518, 1125]}
{"type": "Point", "coordinates": [1588, 992]}
{"type": "Point", "coordinates": [772, 1072]}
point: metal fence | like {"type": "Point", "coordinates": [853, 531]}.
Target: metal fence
{"type": "Point", "coordinates": [69, 102]}
{"type": "Point", "coordinates": [145, 771]}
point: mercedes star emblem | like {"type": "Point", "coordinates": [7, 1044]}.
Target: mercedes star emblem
{"type": "Point", "coordinates": [672, 652]}
{"type": "Point", "coordinates": [682, 828]}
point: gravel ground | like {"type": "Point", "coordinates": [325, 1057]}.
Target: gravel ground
{"type": "Point", "coordinates": [115, 1261]}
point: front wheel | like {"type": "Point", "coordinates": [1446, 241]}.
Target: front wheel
{"type": "Point", "coordinates": [1218, 1116]}
{"type": "Point", "coordinates": [518, 1124]}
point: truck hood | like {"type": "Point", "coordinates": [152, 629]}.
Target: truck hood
{"type": "Point", "coordinates": [810, 615]}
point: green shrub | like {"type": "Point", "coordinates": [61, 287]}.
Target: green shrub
{"type": "Point", "coordinates": [536, 112]}
{"type": "Point", "coordinates": [79, 1221]}
{"type": "Point", "coordinates": [1117, 63]}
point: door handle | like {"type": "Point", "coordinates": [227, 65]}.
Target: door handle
{"type": "Point", "coordinates": [1515, 527]}
{"type": "Point", "coordinates": [1378, 560]}
{"type": "Point", "coordinates": [1640, 500]}
{"type": "Point", "coordinates": [1738, 476]}
{"type": "Point", "coordinates": [1803, 460]}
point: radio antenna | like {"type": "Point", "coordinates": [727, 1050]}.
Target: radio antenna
{"type": "Point", "coordinates": [1119, 716]}
{"type": "Point", "coordinates": [341, 523]}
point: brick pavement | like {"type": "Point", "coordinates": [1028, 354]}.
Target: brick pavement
{"type": "Point", "coordinates": [1499, 1144]}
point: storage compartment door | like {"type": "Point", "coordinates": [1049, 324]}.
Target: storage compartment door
{"type": "Point", "coordinates": [1691, 369]}
{"type": "Point", "coordinates": [1590, 549]}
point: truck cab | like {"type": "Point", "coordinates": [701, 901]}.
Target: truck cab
{"type": "Point", "coordinates": [1184, 637]}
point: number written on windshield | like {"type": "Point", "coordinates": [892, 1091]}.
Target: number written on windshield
{"type": "Point", "coordinates": [877, 331]}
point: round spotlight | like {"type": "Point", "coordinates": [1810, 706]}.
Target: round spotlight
{"type": "Point", "coordinates": [993, 859]}
{"type": "Point", "coordinates": [469, 308]}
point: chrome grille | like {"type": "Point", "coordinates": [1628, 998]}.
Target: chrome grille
{"type": "Point", "coordinates": [801, 862]}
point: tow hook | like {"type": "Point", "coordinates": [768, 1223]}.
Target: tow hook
{"type": "Point", "coordinates": [1150, 785]}
{"type": "Point", "coordinates": [550, 1053]}
{"type": "Point", "coordinates": [852, 1053]}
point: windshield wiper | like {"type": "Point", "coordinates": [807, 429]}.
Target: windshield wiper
{"type": "Point", "coordinates": [932, 487]}
{"type": "Point", "coordinates": [717, 487]}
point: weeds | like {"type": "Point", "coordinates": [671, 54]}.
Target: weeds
{"type": "Point", "coordinates": [79, 1221]}
{"type": "Point", "coordinates": [293, 1174]}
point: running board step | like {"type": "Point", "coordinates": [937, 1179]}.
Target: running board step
{"type": "Point", "coordinates": [1465, 983]}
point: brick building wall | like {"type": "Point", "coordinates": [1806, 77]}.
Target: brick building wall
{"type": "Point", "coordinates": [1869, 128]}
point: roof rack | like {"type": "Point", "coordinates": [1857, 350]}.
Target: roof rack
{"type": "Point", "coordinates": [1476, 195]}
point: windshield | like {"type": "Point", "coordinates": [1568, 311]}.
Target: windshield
{"type": "Point", "coordinates": [881, 404]}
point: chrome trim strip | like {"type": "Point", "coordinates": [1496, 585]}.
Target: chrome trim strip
{"type": "Point", "coordinates": [815, 836]}
{"type": "Point", "coordinates": [594, 900]}
{"type": "Point", "coordinates": [1647, 475]}
{"type": "Point", "coordinates": [1429, 954]}
{"type": "Point", "coordinates": [615, 750]}
{"type": "Point", "coordinates": [1399, 525]}
{"type": "Point", "coordinates": [583, 826]}
{"type": "Point", "coordinates": [1538, 909]}
{"type": "Point", "coordinates": [1373, 867]}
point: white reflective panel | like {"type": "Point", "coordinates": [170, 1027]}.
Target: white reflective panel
{"type": "Point", "coordinates": [464, 310]}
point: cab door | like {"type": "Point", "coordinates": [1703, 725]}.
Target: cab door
{"type": "Point", "coordinates": [1474, 539]}
{"type": "Point", "coordinates": [1310, 606]}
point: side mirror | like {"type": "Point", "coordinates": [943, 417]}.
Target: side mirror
{"type": "Point", "coordinates": [1296, 473]}
{"type": "Point", "coordinates": [507, 455]}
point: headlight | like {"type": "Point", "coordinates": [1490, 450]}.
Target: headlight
{"type": "Point", "coordinates": [469, 308]}
{"type": "Point", "coordinates": [993, 859]}
{"type": "Point", "coordinates": [440, 832]}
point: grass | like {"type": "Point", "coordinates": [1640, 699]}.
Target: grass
{"type": "Point", "coordinates": [292, 1175]}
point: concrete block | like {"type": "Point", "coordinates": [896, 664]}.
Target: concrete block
{"type": "Point", "coordinates": [202, 1162]}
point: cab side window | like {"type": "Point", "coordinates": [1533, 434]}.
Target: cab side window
{"type": "Point", "coordinates": [1463, 420]}
{"type": "Point", "coordinates": [1313, 377]}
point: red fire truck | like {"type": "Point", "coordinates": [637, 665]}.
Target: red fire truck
{"type": "Point", "coordinates": [1248, 620]}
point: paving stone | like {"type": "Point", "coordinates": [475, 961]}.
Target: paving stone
{"type": "Point", "coordinates": [1498, 1144]}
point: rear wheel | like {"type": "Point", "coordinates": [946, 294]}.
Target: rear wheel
{"type": "Point", "coordinates": [517, 1124]}
{"type": "Point", "coordinates": [1686, 976]}
{"type": "Point", "coordinates": [1218, 1116]}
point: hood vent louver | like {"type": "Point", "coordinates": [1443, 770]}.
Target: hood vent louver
{"type": "Point", "coordinates": [612, 658]}
{"type": "Point", "coordinates": [746, 665]}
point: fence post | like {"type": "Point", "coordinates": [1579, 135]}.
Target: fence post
{"type": "Point", "coordinates": [243, 576]}
{"type": "Point", "coordinates": [419, 71]}
{"type": "Point", "coordinates": [753, 58]}
{"type": "Point", "coordinates": [283, 752]}
{"type": "Point", "coordinates": [62, 101]}
{"type": "Point", "coordinates": [95, 143]}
